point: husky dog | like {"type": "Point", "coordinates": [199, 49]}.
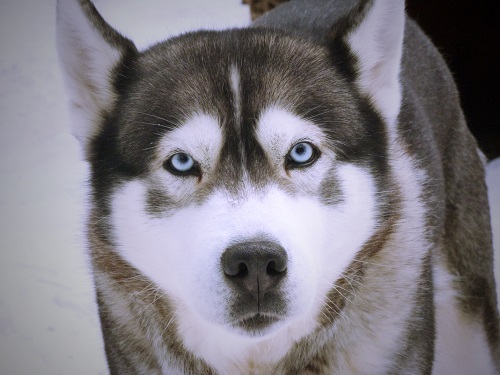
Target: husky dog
{"type": "Point", "coordinates": [301, 196]}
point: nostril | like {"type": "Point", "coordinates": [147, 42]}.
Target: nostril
{"type": "Point", "coordinates": [242, 270]}
{"type": "Point", "coordinates": [271, 268]}
{"type": "Point", "coordinates": [234, 268]}
{"type": "Point", "coordinates": [275, 268]}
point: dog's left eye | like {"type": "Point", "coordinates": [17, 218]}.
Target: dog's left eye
{"type": "Point", "coordinates": [181, 164]}
{"type": "Point", "coordinates": [301, 155]}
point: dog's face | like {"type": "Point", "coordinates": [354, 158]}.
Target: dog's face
{"type": "Point", "coordinates": [244, 194]}
{"type": "Point", "coordinates": [242, 172]}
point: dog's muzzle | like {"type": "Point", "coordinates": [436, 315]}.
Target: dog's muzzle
{"type": "Point", "coordinates": [255, 271]}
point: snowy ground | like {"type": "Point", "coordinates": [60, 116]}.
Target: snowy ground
{"type": "Point", "coordinates": [48, 322]}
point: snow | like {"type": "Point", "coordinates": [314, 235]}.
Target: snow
{"type": "Point", "coordinates": [48, 318]}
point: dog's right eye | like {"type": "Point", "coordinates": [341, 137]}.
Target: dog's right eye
{"type": "Point", "coordinates": [182, 164]}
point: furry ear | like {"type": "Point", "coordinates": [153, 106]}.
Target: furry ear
{"type": "Point", "coordinates": [89, 50]}
{"type": "Point", "coordinates": [373, 30]}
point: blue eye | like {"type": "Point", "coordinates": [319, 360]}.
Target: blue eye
{"type": "Point", "coordinates": [181, 164]}
{"type": "Point", "coordinates": [301, 155]}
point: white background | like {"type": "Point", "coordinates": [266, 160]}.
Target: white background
{"type": "Point", "coordinates": [48, 321]}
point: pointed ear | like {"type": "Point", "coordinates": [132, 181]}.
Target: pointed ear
{"type": "Point", "coordinates": [373, 31]}
{"type": "Point", "coordinates": [89, 52]}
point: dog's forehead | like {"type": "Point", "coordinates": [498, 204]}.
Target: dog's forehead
{"type": "Point", "coordinates": [198, 71]}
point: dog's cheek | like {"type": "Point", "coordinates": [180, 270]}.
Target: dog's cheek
{"type": "Point", "coordinates": [155, 245]}
{"type": "Point", "coordinates": [323, 236]}
{"type": "Point", "coordinates": [179, 249]}
{"type": "Point", "coordinates": [351, 221]}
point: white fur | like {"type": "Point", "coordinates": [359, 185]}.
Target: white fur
{"type": "Point", "coordinates": [86, 60]}
{"type": "Point", "coordinates": [200, 136]}
{"type": "Point", "coordinates": [378, 43]}
{"type": "Point", "coordinates": [181, 252]}
{"type": "Point", "coordinates": [371, 331]}
{"type": "Point", "coordinates": [234, 80]}
{"type": "Point", "coordinates": [461, 344]}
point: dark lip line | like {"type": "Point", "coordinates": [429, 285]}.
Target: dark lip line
{"type": "Point", "coordinates": [248, 317]}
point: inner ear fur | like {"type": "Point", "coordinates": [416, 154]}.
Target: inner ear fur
{"type": "Point", "coordinates": [373, 31]}
{"type": "Point", "coordinates": [89, 52]}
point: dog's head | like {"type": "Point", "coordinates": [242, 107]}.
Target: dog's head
{"type": "Point", "coordinates": [243, 172]}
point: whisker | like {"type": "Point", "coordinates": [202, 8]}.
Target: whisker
{"type": "Point", "coordinates": [171, 319]}
{"type": "Point", "coordinates": [157, 117]}
{"type": "Point", "coordinates": [163, 126]}
{"type": "Point", "coordinates": [333, 306]}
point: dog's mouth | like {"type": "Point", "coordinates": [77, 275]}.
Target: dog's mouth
{"type": "Point", "coordinates": [257, 323]}
{"type": "Point", "coordinates": [256, 314]}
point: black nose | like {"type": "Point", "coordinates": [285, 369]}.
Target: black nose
{"type": "Point", "coordinates": [255, 266]}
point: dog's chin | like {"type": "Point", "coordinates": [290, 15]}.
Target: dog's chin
{"type": "Point", "coordinates": [258, 325]}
